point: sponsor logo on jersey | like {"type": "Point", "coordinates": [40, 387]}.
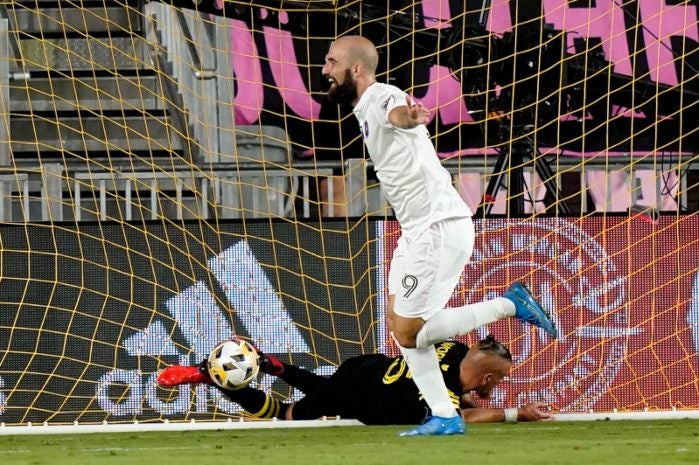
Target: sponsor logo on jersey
{"type": "Point", "coordinates": [387, 102]}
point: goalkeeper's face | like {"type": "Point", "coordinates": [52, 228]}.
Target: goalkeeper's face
{"type": "Point", "coordinates": [493, 376]}
{"type": "Point", "coordinates": [485, 389]}
{"type": "Point", "coordinates": [481, 372]}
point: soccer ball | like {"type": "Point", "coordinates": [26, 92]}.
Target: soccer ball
{"type": "Point", "coordinates": [233, 364]}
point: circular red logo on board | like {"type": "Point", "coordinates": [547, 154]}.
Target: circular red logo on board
{"type": "Point", "coordinates": [577, 281]}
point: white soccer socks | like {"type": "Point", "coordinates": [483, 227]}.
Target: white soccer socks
{"type": "Point", "coordinates": [452, 322]}
{"type": "Point", "coordinates": [427, 376]}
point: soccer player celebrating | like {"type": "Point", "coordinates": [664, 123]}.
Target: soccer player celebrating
{"type": "Point", "coordinates": [437, 233]}
{"type": "Point", "coordinates": [376, 389]}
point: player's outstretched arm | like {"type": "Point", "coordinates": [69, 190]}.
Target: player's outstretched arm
{"type": "Point", "coordinates": [534, 411]}
{"type": "Point", "coordinates": [407, 117]}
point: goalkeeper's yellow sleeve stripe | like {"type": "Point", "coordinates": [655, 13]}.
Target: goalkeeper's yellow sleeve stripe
{"type": "Point", "coordinates": [269, 410]}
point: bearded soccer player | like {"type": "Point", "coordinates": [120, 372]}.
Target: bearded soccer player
{"type": "Point", "coordinates": [437, 233]}
{"type": "Point", "coordinates": [376, 389]}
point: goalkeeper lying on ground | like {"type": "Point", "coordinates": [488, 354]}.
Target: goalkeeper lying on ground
{"type": "Point", "coordinates": [376, 389]}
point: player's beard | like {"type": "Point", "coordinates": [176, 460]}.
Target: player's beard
{"type": "Point", "coordinates": [345, 93]}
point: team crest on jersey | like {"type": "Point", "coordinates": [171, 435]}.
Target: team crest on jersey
{"type": "Point", "coordinates": [387, 102]}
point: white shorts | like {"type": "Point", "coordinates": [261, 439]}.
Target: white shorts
{"type": "Point", "coordinates": [424, 272]}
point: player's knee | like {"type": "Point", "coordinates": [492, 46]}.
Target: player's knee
{"type": "Point", "coordinates": [405, 331]}
{"type": "Point", "coordinates": [405, 339]}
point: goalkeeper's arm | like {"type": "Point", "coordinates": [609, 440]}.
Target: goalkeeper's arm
{"type": "Point", "coordinates": [471, 412]}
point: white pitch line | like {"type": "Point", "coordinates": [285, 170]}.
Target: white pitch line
{"type": "Point", "coordinates": [141, 449]}
{"type": "Point", "coordinates": [171, 426]}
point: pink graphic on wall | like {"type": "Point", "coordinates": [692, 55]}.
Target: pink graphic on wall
{"type": "Point", "coordinates": [279, 78]}
{"type": "Point", "coordinates": [606, 20]}
{"type": "Point", "coordinates": [618, 190]}
{"type": "Point", "coordinates": [287, 74]}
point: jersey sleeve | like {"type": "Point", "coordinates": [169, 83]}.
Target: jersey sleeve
{"type": "Point", "coordinates": [389, 100]}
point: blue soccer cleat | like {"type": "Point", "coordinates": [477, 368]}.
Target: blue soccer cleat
{"type": "Point", "coordinates": [438, 426]}
{"type": "Point", "coordinates": [527, 309]}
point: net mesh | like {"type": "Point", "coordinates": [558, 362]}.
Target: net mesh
{"type": "Point", "coordinates": [171, 175]}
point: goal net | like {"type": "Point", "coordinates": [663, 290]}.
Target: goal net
{"type": "Point", "coordinates": [171, 175]}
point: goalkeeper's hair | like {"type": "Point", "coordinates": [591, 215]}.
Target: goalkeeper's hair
{"type": "Point", "coordinates": [490, 344]}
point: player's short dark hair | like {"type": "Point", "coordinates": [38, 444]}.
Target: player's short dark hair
{"type": "Point", "coordinates": [490, 344]}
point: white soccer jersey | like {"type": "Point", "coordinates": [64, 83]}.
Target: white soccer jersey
{"type": "Point", "coordinates": [416, 185]}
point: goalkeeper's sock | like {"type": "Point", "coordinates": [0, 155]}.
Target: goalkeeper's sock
{"type": "Point", "coordinates": [257, 403]}
{"type": "Point", "coordinates": [427, 376]}
{"type": "Point", "coordinates": [303, 380]}
{"type": "Point", "coordinates": [452, 322]}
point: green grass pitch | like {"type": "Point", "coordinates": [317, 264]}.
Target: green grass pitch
{"type": "Point", "coordinates": [560, 443]}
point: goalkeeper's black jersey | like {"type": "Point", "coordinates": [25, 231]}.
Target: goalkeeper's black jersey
{"type": "Point", "coordinates": [376, 389]}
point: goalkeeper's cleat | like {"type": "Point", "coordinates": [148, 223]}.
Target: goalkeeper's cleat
{"type": "Point", "coordinates": [175, 375]}
{"type": "Point", "coordinates": [527, 309]}
{"type": "Point", "coordinates": [438, 426]}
